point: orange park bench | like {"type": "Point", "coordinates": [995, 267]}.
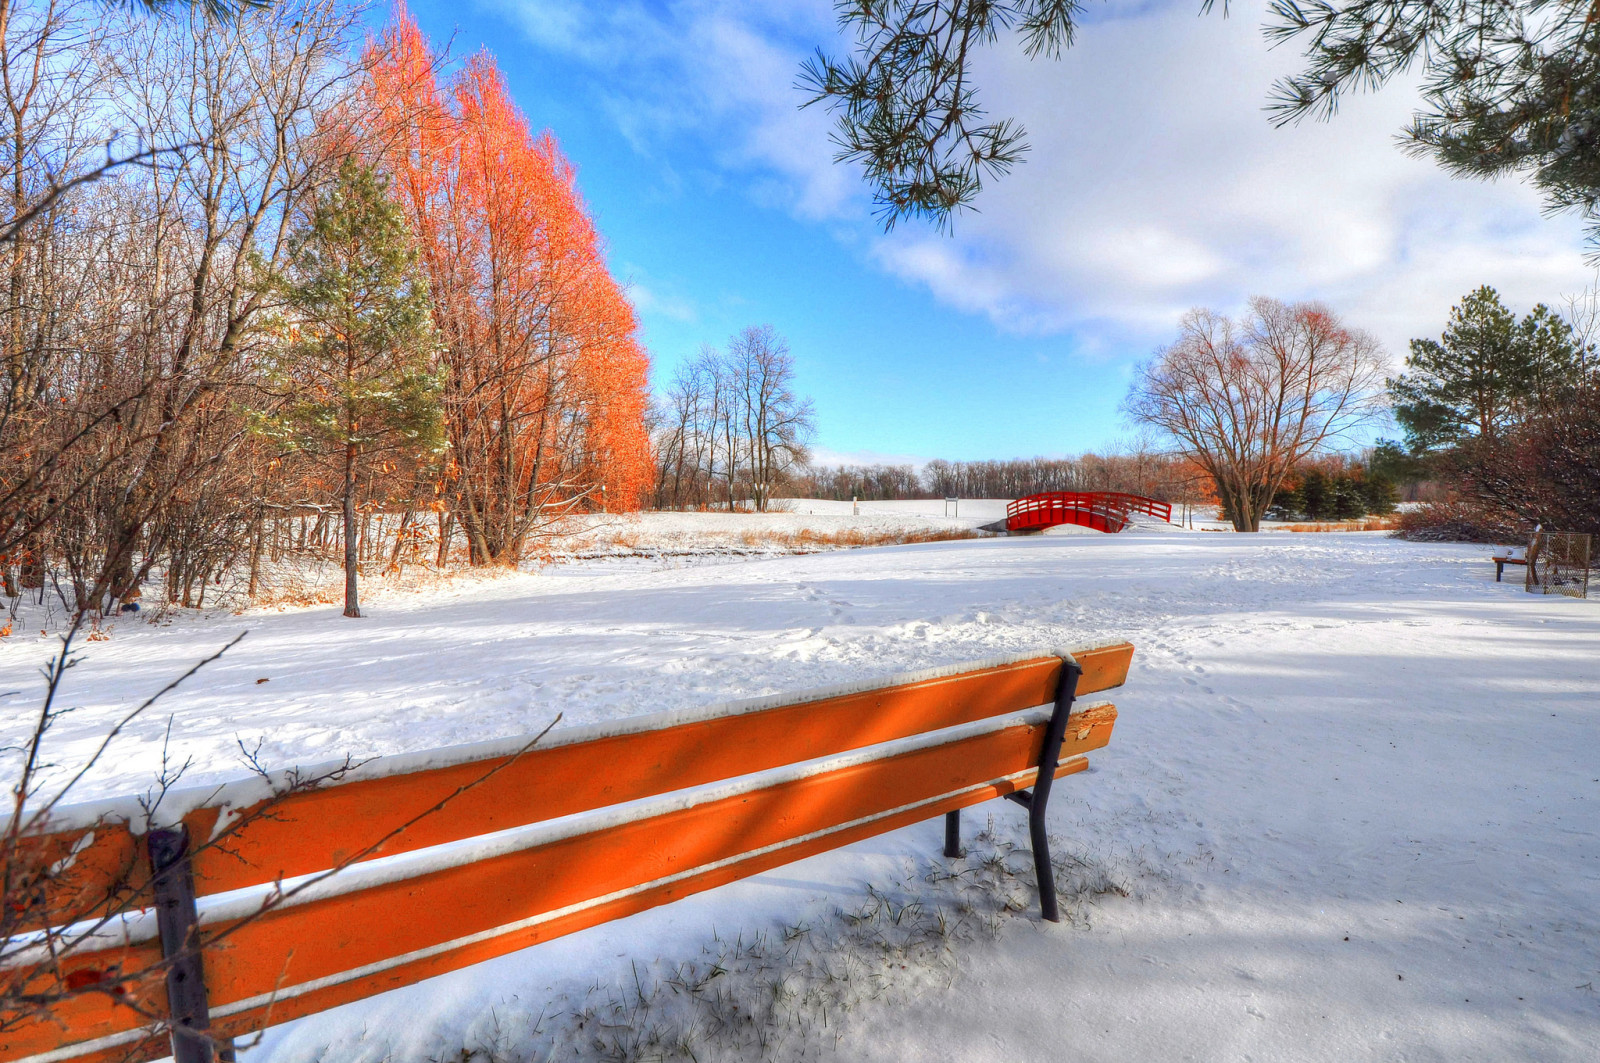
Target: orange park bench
{"type": "Point", "coordinates": [231, 908]}
{"type": "Point", "coordinates": [1508, 556]}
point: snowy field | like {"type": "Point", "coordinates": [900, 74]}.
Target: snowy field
{"type": "Point", "coordinates": [1349, 811]}
{"type": "Point", "coordinates": [793, 525]}
{"type": "Point", "coordinates": [807, 525]}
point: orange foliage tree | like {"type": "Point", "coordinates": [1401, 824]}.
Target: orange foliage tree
{"type": "Point", "coordinates": [546, 382]}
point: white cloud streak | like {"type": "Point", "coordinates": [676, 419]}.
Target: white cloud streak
{"type": "Point", "coordinates": [717, 75]}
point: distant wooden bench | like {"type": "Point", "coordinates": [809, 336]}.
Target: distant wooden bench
{"type": "Point", "coordinates": [494, 847]}
{"type": "Point", "coordinates": [1501, 561]}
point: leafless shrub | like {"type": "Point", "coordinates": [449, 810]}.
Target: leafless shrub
{"type": "Point", "coordinates": [1460, 521]}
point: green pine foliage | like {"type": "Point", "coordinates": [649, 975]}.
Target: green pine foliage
{"type": "Point", "coordinates": [906, 104]}
{"type": "Point", "coordinates": [1313, 494]}
{"type": "Point", "coordinates": [1482, 374]}
{"type": "Point", "coordinates": [359, 343]}
{"type": "Point", "coordinates": [1393, 462]}
{"type": "Point", "coordinates": [1506, 88]}
{"type": "Point", "coordinates": [355, 342]}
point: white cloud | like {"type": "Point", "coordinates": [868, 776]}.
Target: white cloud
{"type": "Point", "coordinates": [651, 300]}
{"type": "Point", "coordinates": [826, 456]}
{"type": "Point", "coordinates": [1155, 182]}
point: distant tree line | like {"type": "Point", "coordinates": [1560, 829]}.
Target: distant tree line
{"type": "Point", "coordinates": [1143, 472]}
{"type": "Point", "coordinates": [731, 428]}
{"type": "Point", "coordinates": [1335, 488]}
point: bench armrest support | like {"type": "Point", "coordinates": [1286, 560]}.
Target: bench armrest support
{"type": "Point", "coordinates": [1066, 691]}
{"type": "Point", "coordinates": [1037, 800]}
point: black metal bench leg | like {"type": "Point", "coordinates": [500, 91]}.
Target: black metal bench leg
{"type": "Point", "coordinates": [952, 833]}
{"type": "Point", "coordinates": [1049, 760]}
{"type": "Point", "coordinates": [1041, 864]}
{"type": "Point", "coordinates": [177, 920]}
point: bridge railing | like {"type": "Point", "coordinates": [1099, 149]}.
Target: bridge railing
{"type": "Point", "coordinates": [1140, 504]}
{"type": "Point", "coordinates": [1105, 510]}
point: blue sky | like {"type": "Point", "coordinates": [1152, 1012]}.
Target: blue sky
{"type": "Point", "coordinates": [1155, 184]}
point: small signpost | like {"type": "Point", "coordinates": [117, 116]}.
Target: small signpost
{"type": "Point", "coordinates": [952, 507]}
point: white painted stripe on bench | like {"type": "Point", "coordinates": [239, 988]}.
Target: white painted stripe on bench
{"type": "Point", "coordinates": [99, 1044]}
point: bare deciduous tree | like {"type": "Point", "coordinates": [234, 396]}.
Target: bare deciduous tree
{"type": "Point", "coordinates": [776, 423]}
{"type": "Point", "coordinates": [732, 423]}
{"type": "Point", "coordinates": [1247, 400]}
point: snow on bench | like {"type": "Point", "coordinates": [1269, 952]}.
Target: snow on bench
{"type": "Point", "coordinates": [1508, 556]}
{"type": "Point", "coordinates": [235, 907]}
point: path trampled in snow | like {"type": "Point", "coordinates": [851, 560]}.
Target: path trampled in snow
{"type": "Point", "coordinates": [1353, 787]}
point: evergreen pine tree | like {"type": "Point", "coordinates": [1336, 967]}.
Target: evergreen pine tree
{"type": "Point", "coordinates": [1345, 501]}
{"type": "Point", "coordinates": [1315, 495]}
{"type": "Point", "coordinates": [1479, 377]}
{"type": "Point", "coordinates": [1288, 502]}
{"type": "Point", "coordinates": [1377, 492]}
{"type": "Point", "coordinates": [358, 342]}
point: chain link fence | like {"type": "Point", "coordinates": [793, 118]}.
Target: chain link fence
{"type": "Point", "coordinates": [1558, 563]}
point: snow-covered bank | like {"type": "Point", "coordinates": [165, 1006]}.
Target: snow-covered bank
{"type": "Point", "coordinates": [793, 526]}
{"type": "Point", "coordinates": [1323, 738]}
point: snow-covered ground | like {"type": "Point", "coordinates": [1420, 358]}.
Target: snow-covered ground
{"type": "Point", "coordinates": [806, 525]}
{"type": "Point", "coordinates": [793, 525]}
{"type": "Point", "coordinates": [976, 510]}
{"type": "Point", "coordinates": [1351, 799]}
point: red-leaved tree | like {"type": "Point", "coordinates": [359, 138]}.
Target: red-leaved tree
{"type": "Point", "coordinates": [546, 383]}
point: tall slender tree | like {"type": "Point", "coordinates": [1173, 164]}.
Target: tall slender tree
{"type": "Point", "coordinates": [545, 378]}
{"type": "Point", "coordinates": [775, 421]}
{"type": "Point", "coordinates": [358, 342]}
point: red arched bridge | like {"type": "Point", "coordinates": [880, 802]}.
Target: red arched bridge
{"type": "Point", "coordinates": [1106, 511]}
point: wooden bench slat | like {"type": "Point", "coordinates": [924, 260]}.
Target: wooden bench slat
{"type": "Point", "coordinates": [318, 829]}
{"type": "Point", "coordinates": [334, 935]}
{"type": "Point", "coordinates": [466, 955]}
{"type": "Point", "coordinates": [580, 880]}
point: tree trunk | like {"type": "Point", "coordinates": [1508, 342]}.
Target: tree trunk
{"type": "Point", "coordinates": [447, 529]}
{"type": "Point", "coordinates": [1236, 507]}
{"type": "Point", "coordinates": [31, 571]}
{"type": "Point", "coordinates": [399, 541]}
{"type": "Point", "coordinates": [352, 604]}
{"type": "Point", "coordinates": [256, 533]}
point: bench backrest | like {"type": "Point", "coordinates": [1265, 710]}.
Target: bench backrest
{"type": "Point", "coordinates": [449, 858]}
